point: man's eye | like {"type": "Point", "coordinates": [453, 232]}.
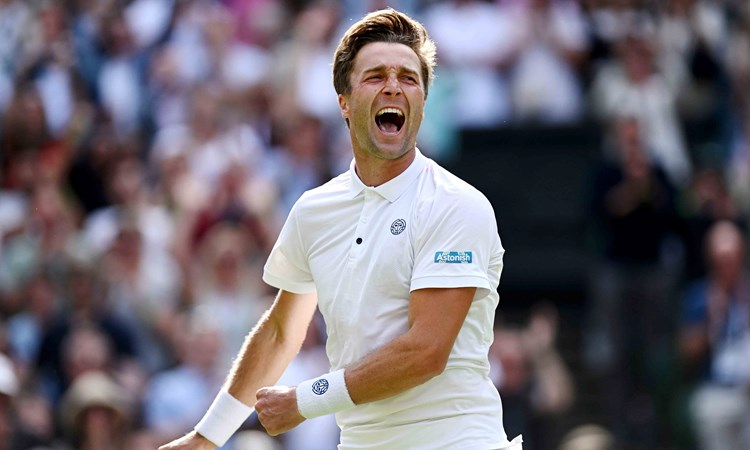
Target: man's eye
{"type": "Point", "coordinates": [375, 77]}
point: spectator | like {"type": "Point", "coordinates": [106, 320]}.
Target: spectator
{"type": "Point", "coordinates": [715, 339]}
{"type": "Point", "coordinates": [228, 287]}
{"type": "Point", "coordinates": [259, 22]}
{"type": "Point", "coordinates": [477, 41]}
{"type": "Point", "coordinates": [25, 132]}
{"type": "Point", "coordinates": [16, 19]}
{"type": "Point", "coordinates": [26, 328]}
{"type": "Point", "coordinates": [85, 349]}
{"type": "Point", "coordinates": [691, 35]}
{"type": "Point", "coordinates": [305, 82]}
{"type": "Point", "coordinates": [300, 162]}
{"type": "Point", "coordinates": [634, 85]}
{"type": "Point", "coordinates": [87, 177]}
{"type": "Point", "coordinates": [143, 288]}
{"type": "Point", "coordinates": [211, 145]}
{"type": "Point", "coordinates": [86, 307]}
{"type": "Point", "coordinates": [35, 422]}
{"type": "Point", "coordinates": [530, 374]}
{"type": "Point", "coordinates": [131, 201]}
{"type": "Point", "coordinates": [120, 79]}
{"type": "Point", "coordinates": [43, 241]}
{"type": "Point", "coordinates": [545, 83]}
{"type": "Point", "coordinates": [706, 201]}
{"type": "Point", "coordinates": [96, 413]}
{"type": "Point", "coordinates": [176, 398]}
{"type": "Point", "coordinates": [49, 61]}
{"type": "Point", "coordinates": [632, 280]}
{"type": "Point", "coordinates": [607, 24]}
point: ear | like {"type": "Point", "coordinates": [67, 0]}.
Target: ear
{"type": "Point", "coordinates": [344, 106]}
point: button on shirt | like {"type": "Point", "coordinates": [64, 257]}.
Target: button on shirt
{"type": "Point", "coordinates": [363, 250]}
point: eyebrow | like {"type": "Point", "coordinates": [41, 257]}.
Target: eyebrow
{"type": "Point", "coordinates": [383, 67]}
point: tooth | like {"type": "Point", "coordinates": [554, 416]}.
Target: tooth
{"type": "Point", "coordinates": [390, 110]}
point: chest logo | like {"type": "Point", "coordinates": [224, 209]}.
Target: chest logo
{"type": "Point", "coordinates": [398, 226]}
{"type": "Point", "coordinates": [453, 257]}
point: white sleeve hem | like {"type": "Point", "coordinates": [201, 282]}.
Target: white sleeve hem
{"type": "Point", "coordinates": [288, 285]}
{"type": "Point", "coordinates": [443, 281]}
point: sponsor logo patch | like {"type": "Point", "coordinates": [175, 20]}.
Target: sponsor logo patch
{"type": "Point", "coordinates": [453, 257]}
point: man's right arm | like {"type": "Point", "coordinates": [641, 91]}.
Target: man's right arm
{"type": "Point", "coordinates": [267, 351]}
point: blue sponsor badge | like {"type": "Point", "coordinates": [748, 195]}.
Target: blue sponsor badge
{"type": "Point", "coordinates": [453, 257]}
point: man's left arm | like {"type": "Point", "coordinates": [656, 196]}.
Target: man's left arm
{"type": "Point", "coordinates": [435, 318]}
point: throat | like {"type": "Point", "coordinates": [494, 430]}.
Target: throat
{"type": "Point", "coordinates": [376, 169]}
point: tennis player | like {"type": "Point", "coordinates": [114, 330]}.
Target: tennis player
{"type": "Point", "coordinates": [403, 260]}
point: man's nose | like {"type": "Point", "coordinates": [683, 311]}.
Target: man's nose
{"type": "Point", "coordinates": [392, 86]}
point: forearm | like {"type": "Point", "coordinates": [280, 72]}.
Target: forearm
{"type": "Point", "coordinates": [421, 353]}
{"type": "Point", "coordinates": [400, 365]}
{"type": "Point", "coordinates": [267, 351]}
{"type": "Point", "coordinates": [264, 356]}
{"type": "Point", "coordinates": [270, 346]}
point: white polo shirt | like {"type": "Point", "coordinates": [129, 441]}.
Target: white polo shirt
{"type": "Point", "coordinates": [364, 250]}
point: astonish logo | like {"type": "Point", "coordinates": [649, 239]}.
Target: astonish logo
{"type": "Point", "coordinates": [453, 257]}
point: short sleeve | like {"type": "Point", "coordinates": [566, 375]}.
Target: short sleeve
{"type": "Point", "coordinates": [458, 245]}
{"type": "Point", "coordinates": [287, 267]}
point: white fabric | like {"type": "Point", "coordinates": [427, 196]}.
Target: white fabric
{"type": "Point", "coordinates": [515, 444]}
{"type": "Point", "coordinates": [223, 418]}
{"type": "Point", "coordinates": [407, 227]}
{"type": "Point", "coordinates": [326, 394]}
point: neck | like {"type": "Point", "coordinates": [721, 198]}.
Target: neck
{"type": "Point", "coordinates": [374, 171]}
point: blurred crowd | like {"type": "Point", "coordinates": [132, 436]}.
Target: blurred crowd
{"type": "Point", "coordinates": [151, 149]}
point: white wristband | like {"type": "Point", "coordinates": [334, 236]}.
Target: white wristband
{"type": "Point", "coordinates": [323, 395]}
{"type": "Point", "coordinates": [223, 418]}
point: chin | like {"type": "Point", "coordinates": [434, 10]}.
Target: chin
{"type": "Point", "coordinates": [392, 151]}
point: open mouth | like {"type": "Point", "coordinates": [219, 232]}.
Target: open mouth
{"type": "Point", "coordinates": [390, 120]}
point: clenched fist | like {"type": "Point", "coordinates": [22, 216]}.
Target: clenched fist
{"type": "Point", "coordinates": [277, 409]}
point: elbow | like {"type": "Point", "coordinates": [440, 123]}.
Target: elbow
{"type": "Point", "coordinates": [433, 363]}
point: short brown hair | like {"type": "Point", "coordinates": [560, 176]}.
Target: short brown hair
{"type": "Point", "coordinates": [387, 25]}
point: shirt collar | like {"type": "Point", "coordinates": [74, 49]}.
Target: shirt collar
{"type": "Point", "coordinates": [392, 189]}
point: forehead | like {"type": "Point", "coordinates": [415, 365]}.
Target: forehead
{"type": "Point", "coordinates": [388, 55]}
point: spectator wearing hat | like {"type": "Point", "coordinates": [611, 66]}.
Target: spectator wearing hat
{"type": "Point", "coordinates": [96, 413]}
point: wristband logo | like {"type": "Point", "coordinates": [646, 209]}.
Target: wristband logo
{"type": "Point", "coordinates": [319, 387]}
{"type": "Point", "coordinates": [453, 257]}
